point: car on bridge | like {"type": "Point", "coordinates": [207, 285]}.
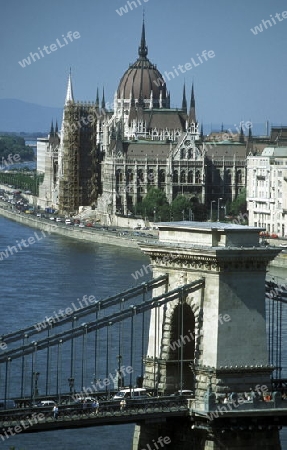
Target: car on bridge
{"type": "Point", "coordinates": [133, 393]}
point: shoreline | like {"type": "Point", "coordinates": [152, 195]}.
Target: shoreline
{"type": "Point", "coordinates": [96, 236]}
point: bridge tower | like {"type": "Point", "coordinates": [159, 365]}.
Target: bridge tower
{"type": "Point", "coordinates": [213, 340]}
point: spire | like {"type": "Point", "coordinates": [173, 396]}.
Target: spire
{"type": "Point", "coordinates": [184, 102]}
{"type": "Point", "coordinates": [97, 98]}
{"type": "Point", "coordinates": [241, 137]}
{"type": "Point", "coordinates": [52, 129]}
{"type": "Point", "coordinates": [103, 100]}
{"type": "Point", "coordinates": [249, 134]}
{"type": "Point", "coordinates": [191, 117]}
{"type": "Point", "coordinates": [143, 50]}
{"type": "Point", "coordinates": [201, 132]}
{"type": "Point", "coordinates": [222, 127]}
{"type": "Point", "coordinates": [69, 95]}
{"type": "Point", "coordinates": [56, 128]}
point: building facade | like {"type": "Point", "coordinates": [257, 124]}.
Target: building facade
{"type": "Point", "coordinates": [267, 190]}
{"type": "Point", "coordinates": [109, 159]}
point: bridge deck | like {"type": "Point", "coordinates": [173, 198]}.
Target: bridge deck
{"type": "Point", "coordinates": [41, 419]}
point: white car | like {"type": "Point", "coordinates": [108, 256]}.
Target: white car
{"type": "Point", "coordinates": [58, 219]}
{"type": "Point", "coordinates": [46, 403]}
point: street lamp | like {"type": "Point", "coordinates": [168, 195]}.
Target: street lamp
{"type": "Point", "coordinates": [212, 201]}
{"type": "Point", "coordinates": [190, 214]}
{"type": "Point", "coordinates": [182, 214]}
{"type": "Point", "coordinates": [224, 207]}
{"type": "Point", "coordinates": [218, 208]}
{"type": "Point", "coordinates": [154, 213]}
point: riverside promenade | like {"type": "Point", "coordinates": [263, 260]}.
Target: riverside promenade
{"type": "Point", "coordinates": [84, 234]}
{"type": "Point", "coordinates": [104, 236]}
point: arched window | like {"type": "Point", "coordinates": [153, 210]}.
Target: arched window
{"type": "Point", "coordinates": [182, 176]}
{"type": "Point", "coordinates": [140, 176]}
{"type": "Point", "coordinates": [228, 176]}
{"type": "Point", "coordinates": [239, 176]}
{"type": "Point", "coordinates": [182, 153]}
{"type": "Point", "coordinates": [162, 176]}
{"type": "Point", "coordinates": [119, 176]}
{"type": "Point", "coordinates": [151, 176]}
{"type": "Point", "coordinates": [130, 176]}
{"type": "Point", "coordinates": [175, 176]}
{"type": "Point", "coordinates": [197, 177]}
{"type": "Point", "coordinates": [190, 153]}
{"type": "Point", "coordinates": [190, 177]}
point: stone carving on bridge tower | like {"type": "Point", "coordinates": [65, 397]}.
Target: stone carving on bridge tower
{"type": "Point", "coordinates": [212, 340]}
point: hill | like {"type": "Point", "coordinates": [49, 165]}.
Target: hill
{"type": "Point", "coordinates": [19, 116]}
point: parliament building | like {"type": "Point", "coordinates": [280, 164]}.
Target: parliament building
{"type": "Point", "coordinates": [107, 159]}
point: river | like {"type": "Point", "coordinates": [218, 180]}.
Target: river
{"type": "Point", "coordinates": [48, 276]}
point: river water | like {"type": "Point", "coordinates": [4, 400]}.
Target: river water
{"type": "Point", "coordinates": [49, 275]}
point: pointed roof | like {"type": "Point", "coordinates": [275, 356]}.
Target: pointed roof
{"type": "Point", "coordinates": [191, 116]}
{"type": "Point", "coordinates": [69, 95]}
{"type": "Point", "coordinates": [241, 136]}
{"type": "Point", "coordinates": [103, 100]}
{"type": "Point", "coordinates": [97, 98]}
{"type": "Point", "coordinates": [52, 129]}
{"type": "Point", "coordinates": [56, 127]}
{"type": "Point", "coordinates": [143, 50]}
{"type": "Point", "coordinates": [184, 102]}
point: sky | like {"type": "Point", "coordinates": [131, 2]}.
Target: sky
{"type": "Point", "coordinates": [244, 80]}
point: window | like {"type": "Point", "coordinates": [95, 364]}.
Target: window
{"type": "Point", "coordinates": [190, 177]}
{"type": "Point", "coordinates": [182, 176]}
{"type": "Point", "coordinates": [162, 176]}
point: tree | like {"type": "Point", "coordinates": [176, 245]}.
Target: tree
{"type": "Point", "coordinates": [154, 206]}
{"type": "Point", "coordinates": [239, 205]}
{"type": "Point", "coordinates": [181, 207]}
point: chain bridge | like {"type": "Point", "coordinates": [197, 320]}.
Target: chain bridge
{"type": "Point", "coordinates": [203, 338]}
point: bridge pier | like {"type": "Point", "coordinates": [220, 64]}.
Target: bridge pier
{"type": "Point", "coordinates": [212, 340]}
{"type": "Point", "coordinates": [180, 436]}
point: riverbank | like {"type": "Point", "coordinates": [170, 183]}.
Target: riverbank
{"type": "Point", "coordinates": [100, 236]}
{"type": "Point", "coordinates": [85, 234]}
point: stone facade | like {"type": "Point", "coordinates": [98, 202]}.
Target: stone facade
{"type": "Point", "coordinates": [109, 157]}
{"type": "Point", "coordinates": [221, 328]}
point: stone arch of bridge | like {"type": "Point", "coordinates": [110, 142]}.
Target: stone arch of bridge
{"type": "Point", "coordinates": [181, 340]}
